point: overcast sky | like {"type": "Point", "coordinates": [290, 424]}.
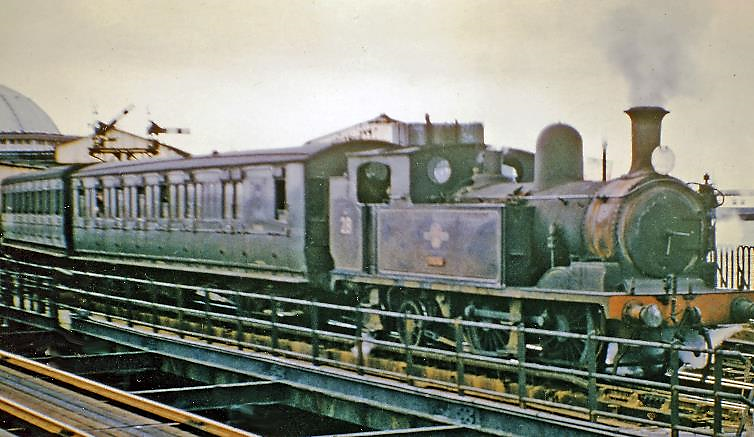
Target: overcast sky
{"type": "Point", "coordinates": [252, 74]}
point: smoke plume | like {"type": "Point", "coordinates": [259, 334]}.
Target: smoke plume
{"type": "Point", "coordinates": [652, 47]}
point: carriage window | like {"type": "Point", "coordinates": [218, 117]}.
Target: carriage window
{"type": "Point", "coordinates": [164, 205]}
{"type": "Point", "coordinates": [281, 203]}
{"type": "Point", "coordinates": [237, 200]}
{"type": "Point", "coordinates": [120, 203]}
{"type": "Point", "coordinates": [172, 200]}
{"type": "Point", "coordinates": [190, 200]}
{"type": "Point", "coordinates": [373, 183]}
{"type": "Point", "coordinates": [52, 206]}
{"type": "Point", "coordinates": [99, 199]}
{"type": "Point", "coordinates": [44, 202]}
{"type": "Point", "coordinates": [80, 201]}
{"type": "Point", "coordinates": [112, 200]}
{"type": "Point", "coordinates": [81, 193]}
{"type": "Point", "coordinates": [228, 199]}
{"type": "Point", "coordinates": [199, 202]}
{"type": "Point", "coordinates": [181, 199]}
{"type": "Point", "coordinates": [210, 200]}
{"type": "Point", "coordinates": [59, 202]}
{"type": "Point", "coordinates": [140, 202]}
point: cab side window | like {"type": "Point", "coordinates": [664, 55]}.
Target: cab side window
{"type": "Point", "coordinates": [373, 183]}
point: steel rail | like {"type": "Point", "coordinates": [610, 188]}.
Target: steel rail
{"type": "Point", "coordinates": [143, 404]}
{"type": "Point", "coordinates": [40, 420]}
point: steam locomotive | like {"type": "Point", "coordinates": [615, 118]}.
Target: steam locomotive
{"type": "Point", "coordinates": [438, 225]}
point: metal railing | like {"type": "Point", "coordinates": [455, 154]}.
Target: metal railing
{"type": "Point", "coordinates": [735, 267]}
{"type": "Point", "coordinates": [298, 329]}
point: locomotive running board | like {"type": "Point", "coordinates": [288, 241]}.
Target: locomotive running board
{"type": "Point", "coordinates": [596, 297]}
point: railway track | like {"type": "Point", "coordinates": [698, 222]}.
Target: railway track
{"type": "Point", "coordinates": [695, 402]}
{"type": "Point", "coordinates": [547, 389]}
{"type": "Point", "coordinates": [62, 403]}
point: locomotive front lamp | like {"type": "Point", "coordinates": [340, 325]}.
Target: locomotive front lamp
{"type": "Point", "coordinates": [663, 159]}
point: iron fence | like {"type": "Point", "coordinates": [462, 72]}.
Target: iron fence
{"type": "Point", "coordinates": [734, 267]}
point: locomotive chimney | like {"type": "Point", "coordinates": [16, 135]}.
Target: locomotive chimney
{"type": "Point", "coordinates": [646, 127]}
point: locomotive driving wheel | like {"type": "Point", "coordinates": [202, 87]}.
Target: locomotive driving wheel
{"type": "Point", "coordinates": [485, 340]}
{"type": "Point", "coordinates": [411, 330]}
{"type": "Point", "coordinates": [410, 303]}
{"type": "Point", "coordinates": [572, 319]}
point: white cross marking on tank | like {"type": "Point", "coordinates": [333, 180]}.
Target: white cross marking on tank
{"type": "Point", "coordinates": [436, 236]}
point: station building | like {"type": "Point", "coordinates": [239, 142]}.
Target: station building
{"type": "Point", "coordinates": [30, 140]}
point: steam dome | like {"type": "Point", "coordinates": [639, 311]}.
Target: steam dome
{"type": "Point", "coordinates": [559, 157]}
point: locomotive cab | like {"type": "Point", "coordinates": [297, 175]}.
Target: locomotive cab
{"type": "Point", "coordinates": [429, 174]}
{"type": "Point", "coordinates": [380, 181]}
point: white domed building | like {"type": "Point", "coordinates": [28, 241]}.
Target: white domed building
{"type": "Point", "coordinates": [28, 135]}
